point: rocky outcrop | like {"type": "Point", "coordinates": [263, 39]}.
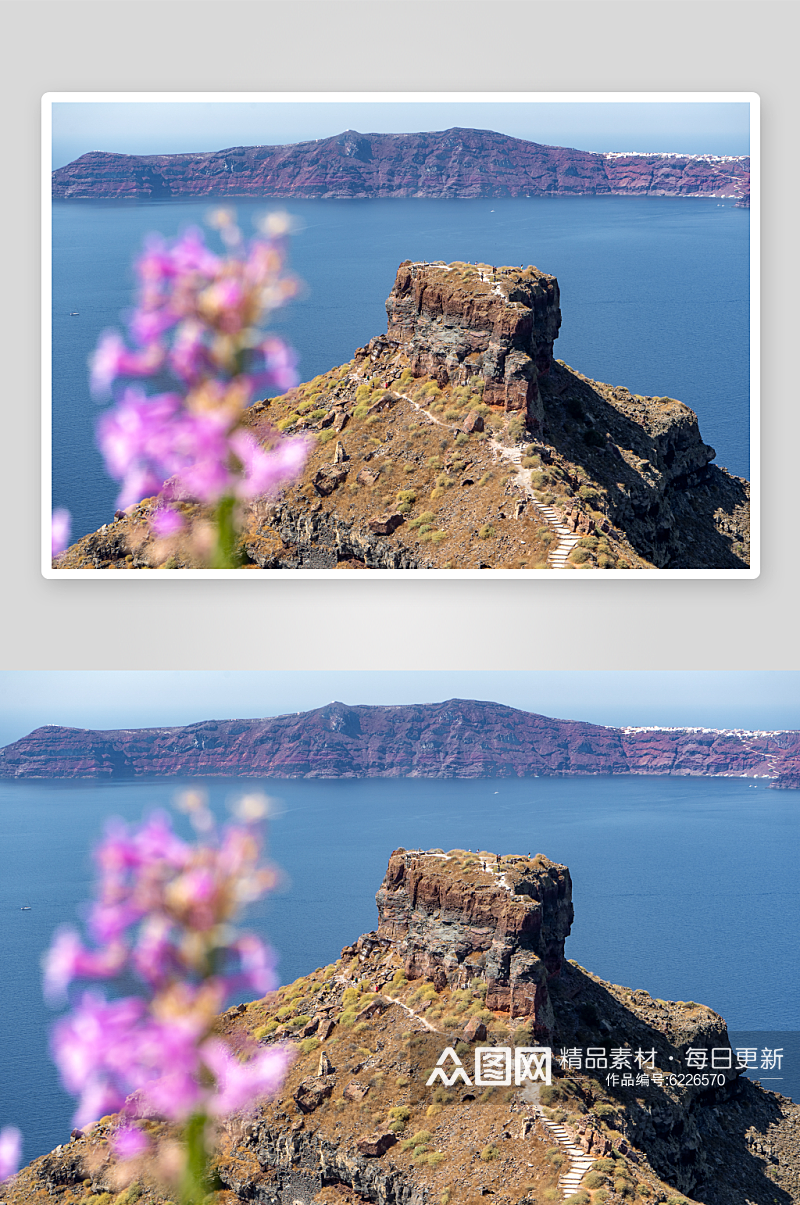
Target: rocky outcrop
{"type": "Point", "coordinates": [464, 323]}
{"type": "Point", "coordinates": [456, 918]}
{"type": "Point", "coordinates": [451, 163]}
{"type": "Point", "coordinates": [461, 412]}
{"type": "Point", "coordinates": [459, 738]}
{"type": "Point", "coordinates": [396, 1136]}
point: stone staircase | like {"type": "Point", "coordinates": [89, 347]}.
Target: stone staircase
{"type": "Point", "coordinates": [579, 1162]}
{"type": "Point", "coordinates": [558, 555]}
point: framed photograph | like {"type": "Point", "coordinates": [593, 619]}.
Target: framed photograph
{"type": "Point", "coordinates": [441, 334]}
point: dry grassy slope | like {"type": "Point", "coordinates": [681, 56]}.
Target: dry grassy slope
{"type": "Point", "coordinates": [366, 1040]}
{"type": "Point", "coordinates": [393, 481]}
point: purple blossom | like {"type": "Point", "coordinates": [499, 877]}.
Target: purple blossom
{"type": "Point", "coordinates": [10, 1151]}
{"type": "Point", "coordinates": [242, 1085]}
{"type": "Point", "coordinates": [60, 527]}
{"type": "Point", "coordinates": [130, 1142]}
{"type": "Point", "coordinates": [280, 365]}
{"type": "Point", "coordinates": [167, 522]}
{"type": "Point", "coordinates": [265, 471]}
{"type": "Point", "coordinates": [112, 360]}
{"type": "Point", "coordinates": [67, 959]}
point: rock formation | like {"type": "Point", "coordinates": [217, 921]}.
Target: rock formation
{"type": "Point", "coordinates": [450, 163]}
{"type": "Point", "coordinates": [462, 444]}
{"type": "Point", "coordinates": [460, 738]}
{"type": "Point", "coordinates": [462, 325]}
{"type": "Point", "coordinates": [359, 1118]}
{"type": "Point", "coordinates": [503, 921]}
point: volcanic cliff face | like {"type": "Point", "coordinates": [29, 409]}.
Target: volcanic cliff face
{"type": "Point", "coordinates": [503, 921]}
{"type": "Point", "coordinates": [460, 738]}
{"type": "Point", "coordinates": [495, 328]}
{"type": "Point", "coordinates": [455, 441]}
{"type": "Point", "coordinates": [450, 163]}
{"type": "Point", "coordinates": [463, 937]}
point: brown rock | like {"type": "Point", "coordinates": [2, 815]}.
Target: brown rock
{"type": "Point", "coordinates": [328, 478]}
{"type": "Point", "coordinates": [509, 931]}
{"type": "Point", "coordinates": [385, 526]}
{"type": "Point", "coordinates": [384, 403]}
{"type": "Point", "coordinates": [378, 1005]}
{"type": "Point", "coordinates": [325, 1066]}
{"type": "Point", "coordinates": [474, 1030]}
{"type": "Point", "coordinates": [367, 476]}
{"type": "Point", "coordinates": [375, 1145]}
{"type": "Point", "coordinates": [473, 422]}
{"type": "Point", "coordinates": [340, 455]}
{"type": "Point", "coordinates": [456, 323]}
{"type": "Point", "coordinates": [355, 1090]}
{"type": "Point", "coordinates": [325, 1030]}
{"type": "Point", "coordinates": [342, 419]}
{"type": "Point", "coordinates": [312, 1027]}
{"type": "Point", "coordinates": [313, 1091]}
{"type": "Point", "coordinates": [328, 420]}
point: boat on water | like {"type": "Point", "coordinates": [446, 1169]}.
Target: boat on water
{"type": "Point", "coordinates": [25, 908]}
{"type": "Point", "coordinates": [74, 314]}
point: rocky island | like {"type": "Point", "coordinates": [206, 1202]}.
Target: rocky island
{"type": "Point", "coordinates": [460, 738]}
{"type": "Point", "coordinates": [447, 163]}
{"type": "Point", "coordinates": [457, 441]}
{"type": "Point", "coordinates": [467, 967]}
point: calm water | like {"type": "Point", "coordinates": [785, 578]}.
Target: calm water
{"type": "Point", "coordinates": [654, 296]}
{"type": "Point", "coordinates": [685, 887]}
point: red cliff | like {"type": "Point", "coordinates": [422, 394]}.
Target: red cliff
{"type": "Point", "coordinates": [455, 739]}
{"type": "Point", "coordinates": [450, 163]}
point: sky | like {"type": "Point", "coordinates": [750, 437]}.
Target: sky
{"type": "Point", "coordinates": [139, 128]}
{"type": "Point", "coordinates": [142, 698]}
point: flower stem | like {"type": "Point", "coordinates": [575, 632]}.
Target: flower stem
{"type": "Point", "coordinates": [195, 1184]}
{"type": "Point", "coordinates": [225, 553]}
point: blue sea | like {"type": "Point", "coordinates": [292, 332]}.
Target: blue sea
{"type": "Point", "coordinates": [685, 887]}
{"type": "Point", "coordinates": [654, 295]}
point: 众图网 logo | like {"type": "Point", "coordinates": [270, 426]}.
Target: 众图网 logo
{"type": "Point", "coordinates": [495, 1065]}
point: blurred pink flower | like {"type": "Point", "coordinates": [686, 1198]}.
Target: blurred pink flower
{"type": "Point", "coordinates": [167, 522]}
{"type": "Point", "coordinates": [60, 526]}
{"type": "Point", "coordinates": [10, 1151]}
{"type": "Point", "coordinates": [265, 471]}
{"type": "Point", "coordinates": [67, 959]}
{"type": "Point", "coordinates": [130, 1142]}
{"type": "Point", "coordinates": [242, 1085]}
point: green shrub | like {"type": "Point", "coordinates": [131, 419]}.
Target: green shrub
{"type": "Point", "coordinates": [578, 1198]}
{"type": "Point", "coordinates": [591, 543]}
{"type": "Point", "coordinates": [486, 532]}
{"type": "Point", "coordinates": [434, 537]}
{"type": "Point", "coordinates": [624, 1188]}
{"type": "Point", "coordinates": [549, 1094]}
{"type": "Point", "coordinates": [399, 1113]}
{"type": "Point", "coordinates": [309, 1044]}
{"type": "Point", "coordinates": [580, 556]}
{"type": "Point", "coordinates": [461, 439]}
{"type": "Point", "coordinates": [603, 1165]}
{"type": "Point", "coordinates": [594, 1180]}
{"type": "Point", "coordinates": [606, 562]}
{"type": "Point", "coordinates": [419, 1139]}
{"type": "Point", "coordinates": [489, 1153]}
{"type": "Point", "coordinates": [604, 1110]}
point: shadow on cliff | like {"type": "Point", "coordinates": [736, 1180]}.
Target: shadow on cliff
{"type": "Point", "coordinates": [698, 1142]}
{"type": "Point", "coordinates": [673, 508]}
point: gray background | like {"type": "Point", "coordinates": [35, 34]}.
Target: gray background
{"type": "Point", "coordinates": [379, 45]}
